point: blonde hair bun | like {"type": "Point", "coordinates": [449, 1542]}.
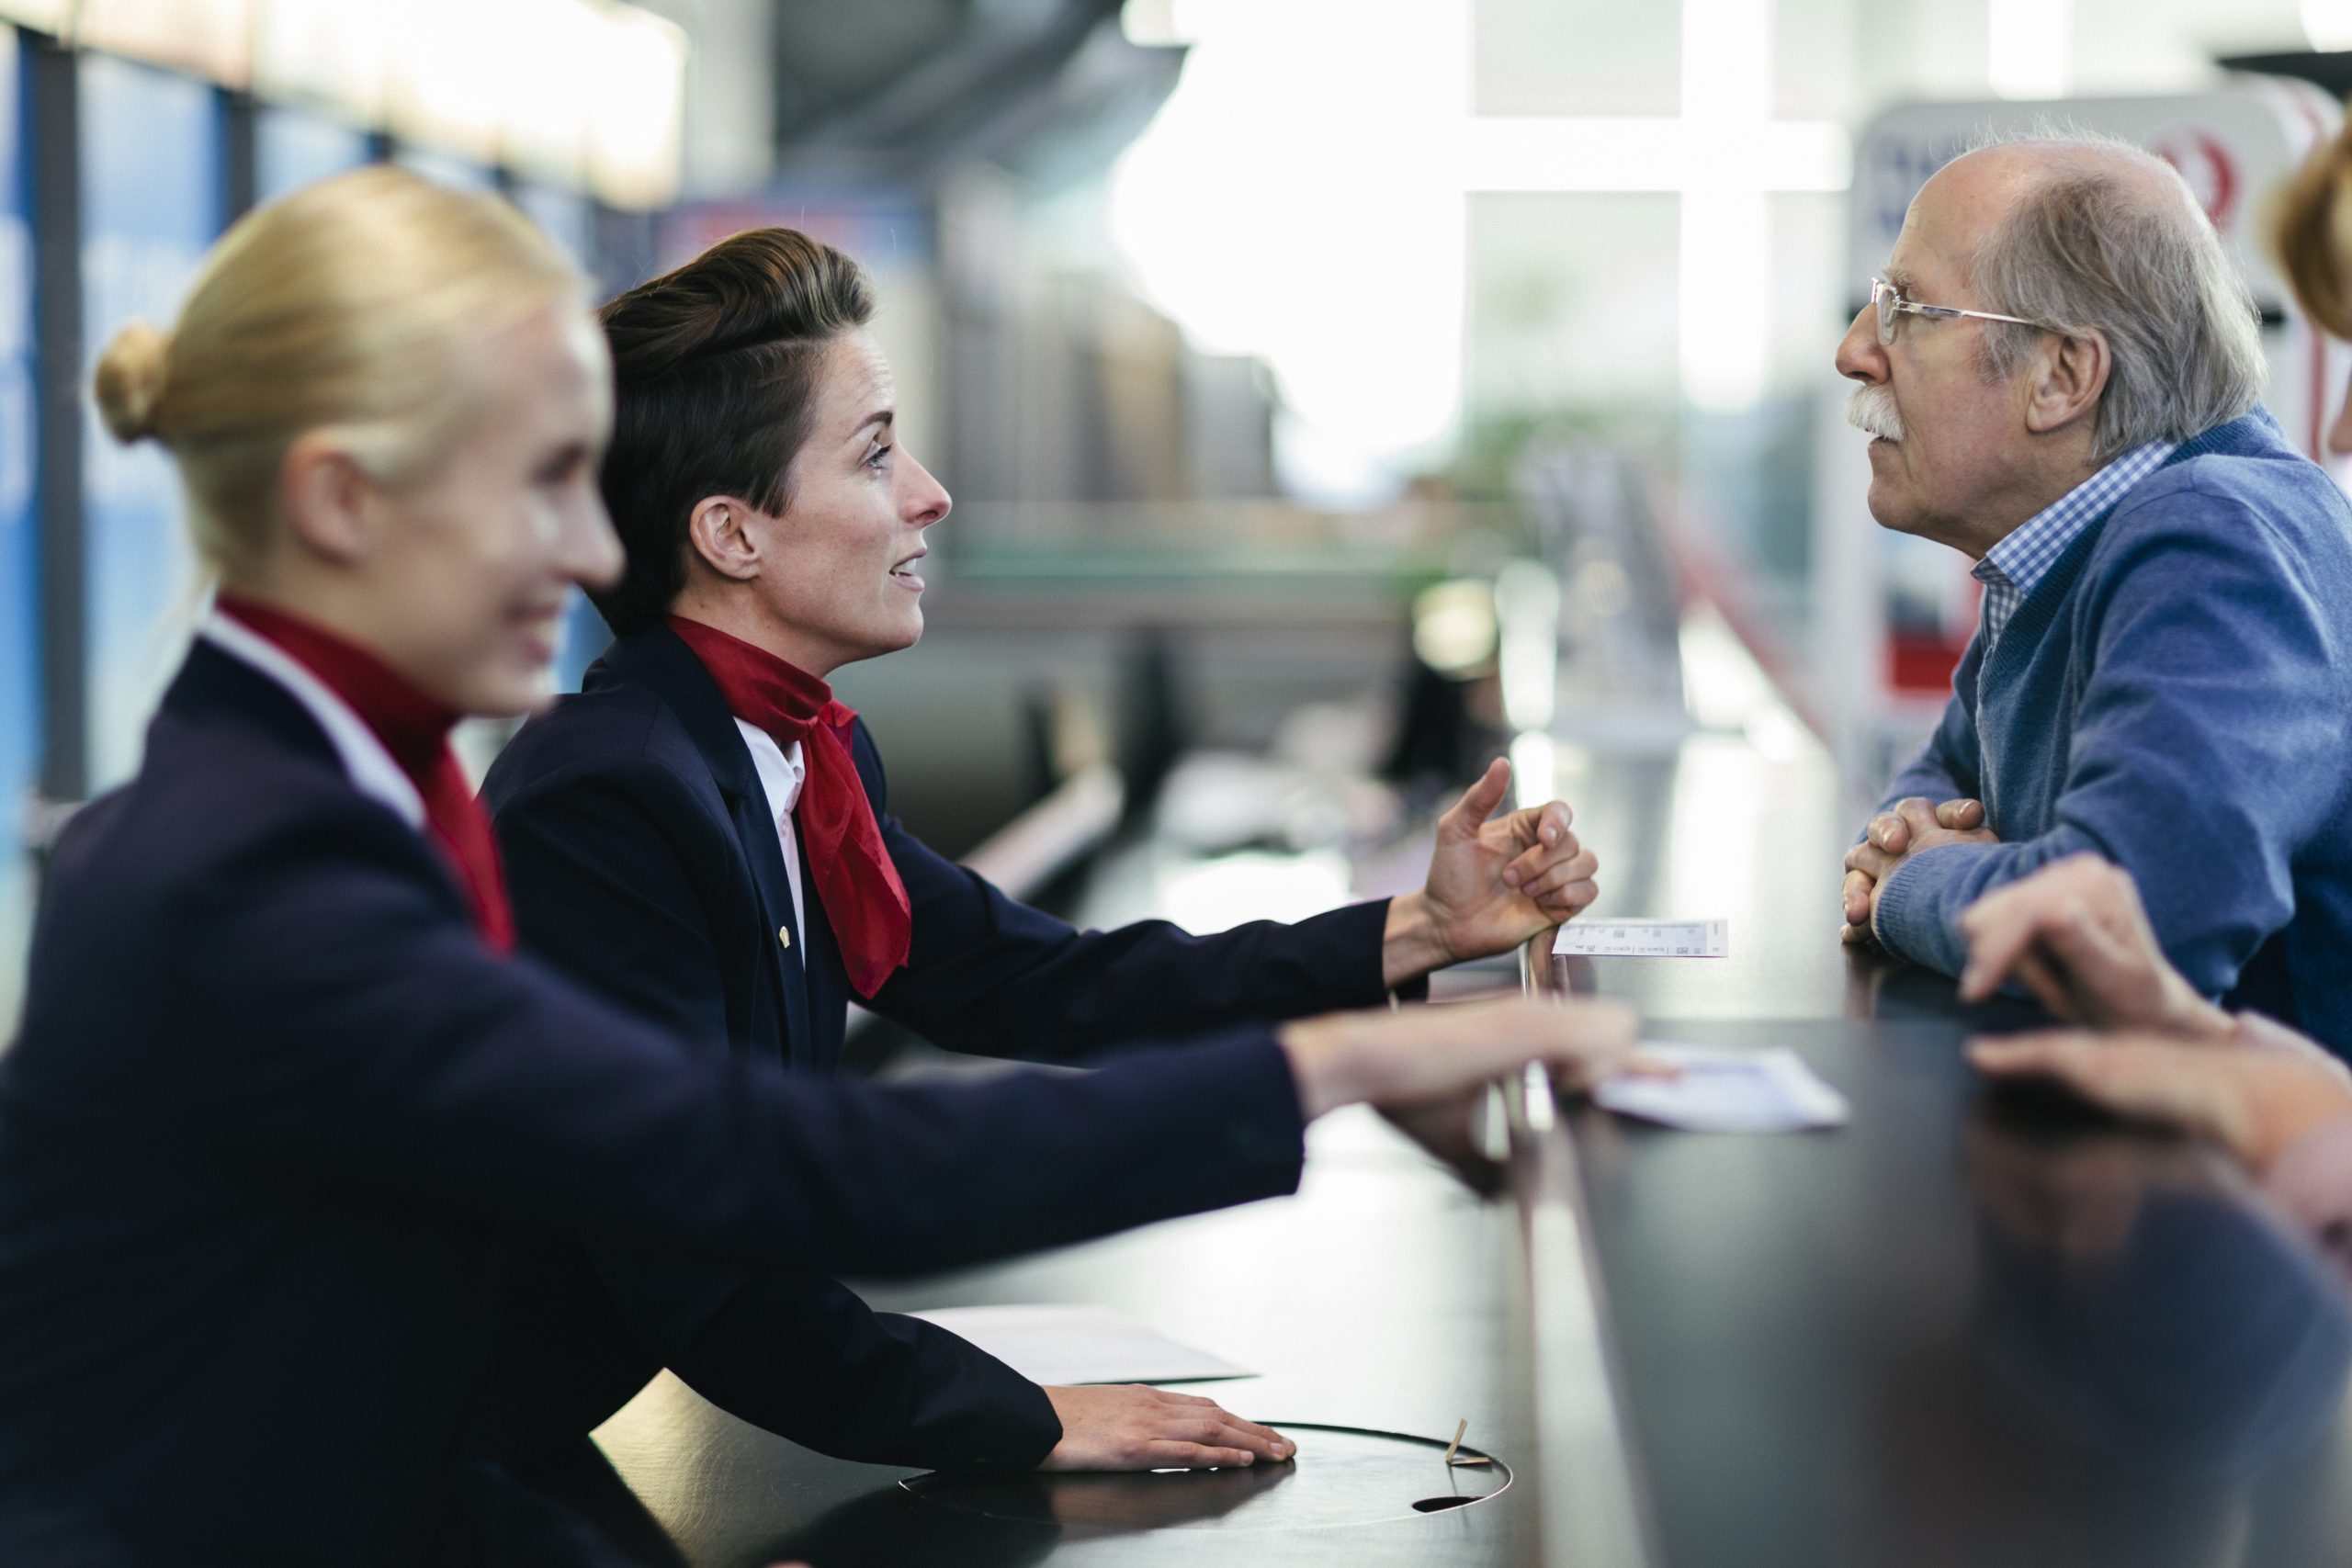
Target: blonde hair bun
{"type": "Point", "coordinates": [130, 380]}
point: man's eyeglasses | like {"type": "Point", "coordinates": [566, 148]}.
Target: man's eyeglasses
{"type": "Point", "coordinates": [1890, 304]}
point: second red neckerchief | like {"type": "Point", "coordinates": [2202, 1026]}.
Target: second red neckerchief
{"type": "Point", "coordinates": [864, 902]}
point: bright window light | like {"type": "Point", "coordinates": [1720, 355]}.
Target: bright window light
{"type": "Point", "coordinates": [2328, 23]}
{"type": "Point", "coordinates": [1301, 198]}
{"type": "Point", "coordinates": [2027, 41]}
{"type": "Point", "coordinates": [1295, 200]}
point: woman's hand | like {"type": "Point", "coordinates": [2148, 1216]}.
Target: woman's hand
{"type": "Point", "coordinates": [1491, 885]}
{"type": "Point", "coordinates": [1424, 1056]}
{"type": "Point", "coordinates": [2073, 934]}
{"type": "Point", "coordinates": [1134, 1426]}
{"type": "Point", "coordinates": [2254, 1101]}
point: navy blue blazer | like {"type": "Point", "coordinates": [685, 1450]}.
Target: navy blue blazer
{"type": "Point", "coordinates": [643, 858]}
{"type": "Point", "coordinates": [279, 1132]}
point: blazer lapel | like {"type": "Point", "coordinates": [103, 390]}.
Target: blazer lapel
{"type": "Point", "coordinates": [656, 658]}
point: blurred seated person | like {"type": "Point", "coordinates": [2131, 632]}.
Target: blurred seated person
{"type": "Point", "coordinates": [294, 1149]}
{"type": "Point", "coordinates": [704, 836]}
{"type": "Point", "coordinates": [2149, 1048]}
{"type": "Point", "coordinates": [2061, 373]}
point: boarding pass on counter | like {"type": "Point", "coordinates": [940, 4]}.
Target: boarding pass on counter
{"type": "Point", "coordinates": [1644, 939]}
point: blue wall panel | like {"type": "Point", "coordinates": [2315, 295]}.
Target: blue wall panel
{"type": "Point", "coordinates": [20, 622]}
{"type": "Point", "coordinates": [293, 147]}
{"type": "Point", "coordinates": [152, 190]}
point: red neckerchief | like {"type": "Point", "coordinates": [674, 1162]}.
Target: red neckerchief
{"type": "Point", "coordinates": [415, 730]}
{"type": "Point", "coordinates": [865, 902]}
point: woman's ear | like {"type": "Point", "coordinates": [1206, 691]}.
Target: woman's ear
{"type": "Point", "coordinates": [721, 530]}
{"type": "Point", "coordinates": [327, 498]}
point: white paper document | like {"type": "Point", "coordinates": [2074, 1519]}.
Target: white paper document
{"type": "Point", "coordinates": [1060, 1345]}
{"type": "Point", "coordinates": [1644, 939]}
{"type": "Point", "coordinates": [1726, 1092]}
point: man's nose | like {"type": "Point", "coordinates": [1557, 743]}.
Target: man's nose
{"type": "Point", "coordinates": [1860, 356]}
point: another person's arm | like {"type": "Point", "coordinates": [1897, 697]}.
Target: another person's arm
{"type": "Point", "coordinates": [2075, 935]}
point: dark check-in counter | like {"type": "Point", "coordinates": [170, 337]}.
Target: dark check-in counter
{"type": "Point", "coordinates": [1965, 1328]}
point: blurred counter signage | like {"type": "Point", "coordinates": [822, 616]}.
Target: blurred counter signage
{"type": "Point", "coordinates": [1907, 607]}
{"type": "Point", "coordinates": [588, 95]}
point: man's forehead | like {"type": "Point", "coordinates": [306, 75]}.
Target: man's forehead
{"type": "Point", "coordinates": [1930, 251]}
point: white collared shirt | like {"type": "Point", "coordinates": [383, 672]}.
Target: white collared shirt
{"type": "Point", "coordinates": [781, 774]}
{"type": "Point", "coordinates": [371, 767]}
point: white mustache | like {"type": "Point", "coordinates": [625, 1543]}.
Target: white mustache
{"type": "Point", "coordinates": [1872, 409]}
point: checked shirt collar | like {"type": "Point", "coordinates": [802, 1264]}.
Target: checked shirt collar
{"type": "Point", "coordinates": [2011, 569]}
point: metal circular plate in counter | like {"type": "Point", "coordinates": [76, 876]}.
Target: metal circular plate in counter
{"type": "Point", "coordinates": [1343, 1475]}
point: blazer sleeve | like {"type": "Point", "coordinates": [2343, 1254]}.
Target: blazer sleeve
{"type": "Point", "coordinates": [357, 1030]}
{"type": "Point", "coordinates": [801, 1355]}
{"type": "Point", "coordinates": [601, 890]}
{"type": "Point", "coordinates": [2204, 752]}
{"type": "Point", "coordinates": [991, 976]}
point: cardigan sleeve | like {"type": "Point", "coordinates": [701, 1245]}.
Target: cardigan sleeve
{"type": "Point", "coordinates": [2206, 749]}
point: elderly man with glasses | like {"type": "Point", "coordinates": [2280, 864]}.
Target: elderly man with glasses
{"type": "Point", "coordinates": [2061, 374]}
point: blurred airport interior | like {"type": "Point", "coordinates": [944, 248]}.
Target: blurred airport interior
{"type": "Point", "coordinates": [1334, 393]}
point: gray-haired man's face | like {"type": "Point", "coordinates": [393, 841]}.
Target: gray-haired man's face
{"type": "Point", "coordinates": [1952, 457]}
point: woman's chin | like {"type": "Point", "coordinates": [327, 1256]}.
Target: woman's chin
{"type": "Point", "coordinates": [508, 693]}
{"type": "Point", "coordinates": [902, 631]}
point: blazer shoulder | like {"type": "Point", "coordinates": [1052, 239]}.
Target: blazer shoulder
{"type": "Point", "coordinates": [622, 734]}
{"type": "Point", "coordinates": [868, 757]}
{"type": "Point", "coordinates": [151, 869]}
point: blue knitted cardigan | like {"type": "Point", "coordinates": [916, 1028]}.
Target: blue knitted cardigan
{"type": "Point", "coordinates": [2174, 695]}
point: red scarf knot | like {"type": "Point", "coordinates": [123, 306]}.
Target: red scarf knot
{"type": "Point", "coordinates": [872, 919]}
{"type": "Point", "coordinates": [415, 730]}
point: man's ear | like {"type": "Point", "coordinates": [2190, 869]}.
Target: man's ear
{"type": "Point", "coordinates": [722, 534]}
{"type": "Point", "coordinates": [327, 498]}
{"type": "Point", "coordinates": [2069, 376]}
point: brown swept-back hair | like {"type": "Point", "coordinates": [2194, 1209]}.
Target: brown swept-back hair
{"type": "Point", "coordinates": [714, 370]}
{"type": "Point", "coordinates": [2311, 228]}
